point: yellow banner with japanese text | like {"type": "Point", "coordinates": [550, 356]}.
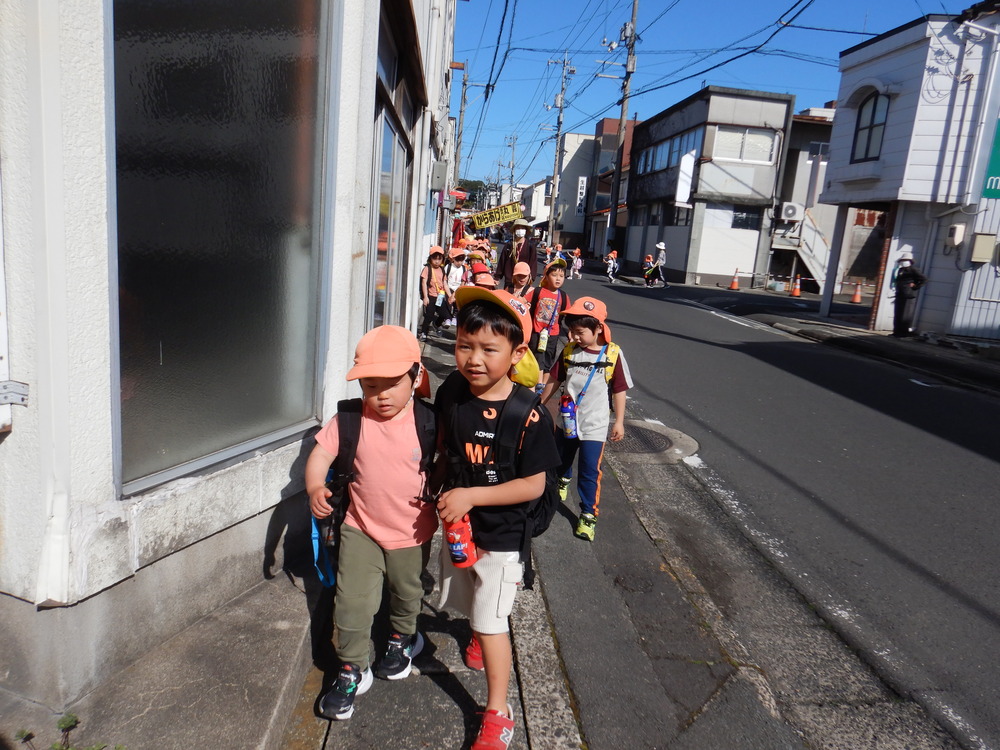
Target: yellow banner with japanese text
{"type": "Point", "coordinates": [499, 215]}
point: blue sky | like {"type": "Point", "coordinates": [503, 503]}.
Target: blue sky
{"type": "Point", "coordinates": [510, 43]}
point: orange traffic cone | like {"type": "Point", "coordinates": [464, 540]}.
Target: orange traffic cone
{"type": "Point", "coordinates": [797, 288]}
{"type": "Point", "coordinates": [857, 293]}
{"type": "Point", "coordinates": [734, 285]}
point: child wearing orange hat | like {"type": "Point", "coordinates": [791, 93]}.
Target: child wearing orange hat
{"type": "Point", "coordinates": [490, 486]}
{"type": "Point", "coordinates": [482, 277]}
{"type": "Point", "coordinates": [546, 302]}
{"type": "Point", "coordinates": [434, 292]}
{"type": "Point", "coordinates": [611, 261]}
{"type": "Point", "coordinates": [648, 269]}
{"type": "Point", "coordinates": [591, 370]}
{"type": "Point", "coordinates": [522, 279]}
{"type": "Point", "coordinates": [386, 527]}
{"type": "Point", "coordinates": [457, 273]}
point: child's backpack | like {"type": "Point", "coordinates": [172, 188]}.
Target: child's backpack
{"type": "Point", "coordinates": [509, 431]}
{"type": "Point", "coordinates": [326, 534]}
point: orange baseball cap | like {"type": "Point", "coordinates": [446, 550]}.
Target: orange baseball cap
{"type": "Point", "coordinates": [522, 269]}
{"type": "Point", "coordinates": [484, 280]}
{"type": "Point", "coordinates": [515, 307]}
{"type": "Point", "coordinates": [388, 352]}
{"type": "Point", "coordinates": [436, 250]}
{"type": "Point", "coordinates": [457, 252]}
{"type": "Point", "coordinates": [592, 307]}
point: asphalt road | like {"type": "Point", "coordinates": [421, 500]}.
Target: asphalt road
{"type": "Point", "coordinates": [874, 489]}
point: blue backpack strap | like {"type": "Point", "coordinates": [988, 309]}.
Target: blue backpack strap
{"type": "Point", "coordinates": [338, 480]}
{"type": "Point", "coordinates": [321, 556]}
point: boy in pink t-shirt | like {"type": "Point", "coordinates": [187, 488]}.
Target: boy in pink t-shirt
{"type": "Point", "coordinates": [387, 530]}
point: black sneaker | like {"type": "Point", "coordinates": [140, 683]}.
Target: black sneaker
{"type": "Point", "coordinates": [338, 703]}
{"type": "Point", "coordinates": [398, 660]}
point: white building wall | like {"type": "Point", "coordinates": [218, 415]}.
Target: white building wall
{"type": "Point", "coordinates": [55, 156]}
{"type": "Point", "coordinates": [66, 537]}
{"type": "Point", "coordinates": [577, 162]}
{"type": "Point", "coordinates": [897, 71]}
{"type": "Point", "coordinates": [722, 248]}
{"type": "Point", "coordinates": [977, 303]}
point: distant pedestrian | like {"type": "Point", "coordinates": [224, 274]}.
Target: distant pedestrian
{"type": "Point", "coordinates": [591, 373]}
{"type": "Point", "coordinates": [383, 524]}
{"type": "Point", "coordinates": [481, 277]}
{"type": "Point", "coordinates": [648, 271]}
{"type": "Point", "coordinates": [457, 274]}
{"type": "Point", "coordinates": [611, 261]}
{"type": "Point", "coordinates": [521, 249]}
{"type": "Point", "coordinates": [522, 280]}
{"type": "Point", "coordinates": [661, 263]}
{"type": "Point", "coordinates": [434, 293]}
{"type": "Point", "coordinates": [545, 304]}
{"type": "Point", "coordinates": [907, 279]}
{"type": "Point", "coordinates": [576, 270]}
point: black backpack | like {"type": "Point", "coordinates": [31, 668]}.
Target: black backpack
{"type": "Point", "coordinates": [342, 474]}
{"type": "Point", "coordinates": [508, 435]}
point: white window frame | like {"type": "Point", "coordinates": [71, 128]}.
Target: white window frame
{"type": "Point", "coordinates": [745, 131]}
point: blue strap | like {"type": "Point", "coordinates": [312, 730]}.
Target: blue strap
{"type": "Point", "coordinates": [590, 377]}
{"type": "Point", "coordinates": [321, 556]}
{"type": "Point", "coordinates": [555, 312]}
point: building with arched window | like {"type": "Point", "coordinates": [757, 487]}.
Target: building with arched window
{"type": "Point", "coordinates": [914, 144]}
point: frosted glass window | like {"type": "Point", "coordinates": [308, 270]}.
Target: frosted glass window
{"type": "Point", "coordinates": [759, 145]}
{"type": "Point", "coordinates": [217, 122]}
{"type": "Point", "coordinates": [728, 143]}
{"type": "Point", "coordinates": [744, 144]}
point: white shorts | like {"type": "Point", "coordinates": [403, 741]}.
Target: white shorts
{"type": "Point", "coordinates": [483, 592]}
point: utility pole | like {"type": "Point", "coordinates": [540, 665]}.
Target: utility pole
{"type": "Point", "coordinates": [513, 146]}
{"type": "Point", "coordinates": [627, 36]}
{"type": "Point", "coordinates": [557, 167]}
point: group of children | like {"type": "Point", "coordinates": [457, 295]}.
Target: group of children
{"type": "Point", "coordinates": [470, 263]}
{"type": "Point", "coordinates": [393, 500]}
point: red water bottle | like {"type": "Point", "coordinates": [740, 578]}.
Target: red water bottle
{"type": "Point", "coordinates": [462, 549]}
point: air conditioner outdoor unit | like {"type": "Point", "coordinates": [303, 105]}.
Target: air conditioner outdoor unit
{"type": "Point", "coordinates": [792, 211]}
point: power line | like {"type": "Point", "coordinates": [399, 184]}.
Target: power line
{"type": "Point", "coordinates": [662, 14]}
{"type": "Point", "coordinates": [741, 55]}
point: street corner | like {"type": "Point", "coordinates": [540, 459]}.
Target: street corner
{"type": "Point", "coordinates": [649, 441]}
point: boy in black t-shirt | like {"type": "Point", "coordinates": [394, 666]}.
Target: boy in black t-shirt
{"type": "Point", "coordinates": [491, 338]}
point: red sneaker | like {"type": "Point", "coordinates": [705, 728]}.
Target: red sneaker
{"type": "Point", "coordinates": [496, 732]}
{"type": "Point", "coordinates": [474, 655]}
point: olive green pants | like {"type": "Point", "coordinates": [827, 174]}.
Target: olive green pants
{"type": "Point", "coordinates": [362, 568]}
